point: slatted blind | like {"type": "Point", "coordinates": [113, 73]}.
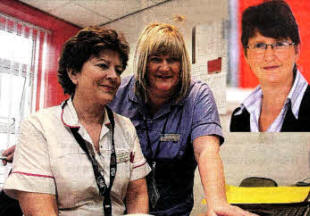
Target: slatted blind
{"type": "Point", "coordinates": [23, 50]}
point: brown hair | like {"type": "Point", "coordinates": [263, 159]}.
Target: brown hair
{"type": "Point", "coordinates": [88, 42]}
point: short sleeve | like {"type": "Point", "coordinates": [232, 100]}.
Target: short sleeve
{"type": "Point", "coordinates": [206, 119]}
{"type": "Point", "coordinates": [140, 165]}
{"type": "Point", "coordinates": [31, 166]}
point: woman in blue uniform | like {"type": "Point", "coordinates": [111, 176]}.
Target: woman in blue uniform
{"type": "Point", "coordinates": [177, 122]}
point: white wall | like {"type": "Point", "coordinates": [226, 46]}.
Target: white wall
{"type": "Point", "coordinates": [195, 12]}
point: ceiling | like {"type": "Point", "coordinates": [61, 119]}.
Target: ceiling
{"type": "Point", "coordinates": [83, 13]}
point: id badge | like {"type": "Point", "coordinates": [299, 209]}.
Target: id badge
{"type": "Point", "coordinates": [170, 137]}
{"type": "Point", "coordinates": [122, 157]}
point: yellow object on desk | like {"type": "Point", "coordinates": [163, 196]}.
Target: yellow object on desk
{"type": "Point", "coordinates": [251, 195]}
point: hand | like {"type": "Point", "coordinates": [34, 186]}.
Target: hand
{"type": "Point", "coordinates": [9, 153]}
{"type": "Point", "coordinates": [227, 210]}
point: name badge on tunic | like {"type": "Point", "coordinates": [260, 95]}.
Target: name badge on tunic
{"type": "Point", "coordinates": [170, 137]}
{"type": "Point", "coordinates": [122, 157]}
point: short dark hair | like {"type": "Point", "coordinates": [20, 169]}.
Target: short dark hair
{"type": "Point", "coordinates": [88, 42]}
{"type": "Point", "coordinates": [272, 18]}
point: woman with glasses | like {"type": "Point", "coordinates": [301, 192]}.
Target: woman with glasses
{"type": "Point", "coordinates": [271, 43]}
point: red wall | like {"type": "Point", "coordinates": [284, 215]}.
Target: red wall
{"type": "Point", "coordinates": [300, 10]}
{"type": "Point", "coordinates": [61, 31]}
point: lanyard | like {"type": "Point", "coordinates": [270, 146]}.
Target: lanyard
{"type": "Point", "coordinates": [103, 189]}
{"type": "Point", "coordinates": [153, 192]}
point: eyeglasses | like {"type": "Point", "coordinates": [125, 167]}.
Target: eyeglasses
{"type": "Point", "coordinates": [279, 46]}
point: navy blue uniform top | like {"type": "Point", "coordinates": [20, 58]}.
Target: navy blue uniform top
{"type": "Point", "coordinates": [171, 132]}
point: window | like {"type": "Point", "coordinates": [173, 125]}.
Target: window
{"type": "Point", "coordinates": [22, 64]}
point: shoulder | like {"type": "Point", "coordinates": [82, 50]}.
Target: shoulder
{"type": "Point", "coordinates": [124, 92]}
{"type": "Point", "coordinates": [42, 118]}
{"type": "Point", "coordinates": [122, 120]}
{"type": "Point", "coordinates": [126, 83]}
{"type": "Point", "coordinates": [307, 92]}
{"type": "Point", "coordinates": [196, 89]}
{"type": "Point", "coordinates": [46, 113]}
{"type": "Point", "coordinates": [240, 113]}
{"type": "Point", "coordinates": [127, 86]}
{"type": "Point", "coordinates": [199, 87]}
{"type": "Point", "coordinates": [199, 94]}
{"type": "Point", "coordinates": [124, 123]}
{"type": "Point", "coordinates": [240, 120]}
{"type": "Point", "coordinates": [305, 103]}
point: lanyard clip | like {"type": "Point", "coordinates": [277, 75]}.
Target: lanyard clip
{"type": "Point", "coordinates": [153, 164]}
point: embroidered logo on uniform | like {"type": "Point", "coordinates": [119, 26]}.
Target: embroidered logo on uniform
{"type": "Point", "coordinates": [122, 157]}
{"type": "Point", "coordinates": [170, 137]}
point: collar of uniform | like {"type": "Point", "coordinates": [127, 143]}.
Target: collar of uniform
{"type": "Point", "coordinates": [294, 97]}
{"type": "Point", "coordinates": [70, 119]}
{"type": "Point", "coordinates": [132, 95]}
{"type": "Point", "coordinates": [252, 101]}
{"type": "Point", "coordinates": [68, 115]}
{"type": "Point", "coordinates": [296, 93]}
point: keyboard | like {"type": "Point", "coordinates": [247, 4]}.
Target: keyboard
{"type": "Point", "coordinates": [292, 209]}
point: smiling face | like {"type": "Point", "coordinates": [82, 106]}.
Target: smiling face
{"type": "Point", "coordinates": [163, 74]}
{"type": "Point", "coordinates": [99, 78]}
{"type": "Point", "coordinates": [272, 66]}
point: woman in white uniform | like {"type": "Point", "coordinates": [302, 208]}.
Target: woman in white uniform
{"type": "Point", "coordinates": [80, 158]}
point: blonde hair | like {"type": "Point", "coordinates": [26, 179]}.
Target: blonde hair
{"type": "Point", "coordinates": [160, 38]}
